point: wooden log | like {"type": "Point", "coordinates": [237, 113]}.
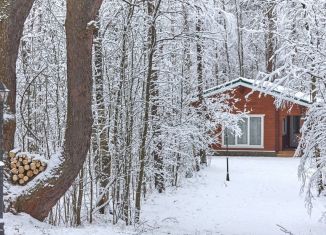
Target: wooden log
{"type": "Point", "coordinates": [13, 153]}
{"type": "Point", "coordinates": [15, 178]}
{"type": "Point", "coordinates": [30, 173]}
{"type": "Point", "coordinates": [21, 169]}
{"type": "Point", "coordinates": [12, 165]}
{"type": "Point", "coordinates": [32, 166]}
{"type": "Point", "coordinates": [25, 178]}
{"type": "Point", "coordinates": [14, 171]}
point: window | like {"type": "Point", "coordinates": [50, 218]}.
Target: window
{"type": "Point", "coordinates": [229, 137]}
{"type": "Point", "coordinates": [296, 124]}
{"type": "Point", "coordinates": [243, 139]}
{"type": "Point", "coordinates": [285, 126]}
{"type": "Point", "coordinates": [255, 131]}
{"type": "Point", "coordinates": [252, 133]}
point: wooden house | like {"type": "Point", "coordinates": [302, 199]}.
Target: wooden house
{"type": "Point", "coordinates": [267, 130]}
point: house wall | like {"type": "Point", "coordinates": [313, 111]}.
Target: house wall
{"type": "Point", "coordinates": [257, 103]}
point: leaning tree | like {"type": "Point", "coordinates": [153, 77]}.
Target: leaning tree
{"type": "Point", "coordinates": [38, 199]}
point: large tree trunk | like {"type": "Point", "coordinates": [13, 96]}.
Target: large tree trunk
{"type": "Point", "coordinates": [12, 18]}
{"type": "Point", "coordinates": [39, 200]}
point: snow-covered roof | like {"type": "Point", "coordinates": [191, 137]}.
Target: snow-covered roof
{"type": "Point", "coordinates": [265, 87]}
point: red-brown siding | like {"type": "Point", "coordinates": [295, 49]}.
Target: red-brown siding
{"type": "Point", "coordinates": [258, 103]}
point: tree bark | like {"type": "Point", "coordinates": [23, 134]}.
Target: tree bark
{"type": "Point", "coordinates": [240, 41]}
{"type": "Point", "coordinates": [12, 18]}
{"type": "Point", "coordinates": [39, 200]}
{"type": "Point", "coordinates": [154, 93]}
{"type": "Point", "coordinates": [103, 145]}
{"type": "Point", "coordinates": [270, 42]}
{"type": "Point", "coordinates": [320, 181]}
{"type": "Point", "coordinates": [152, 11]}
{"type": "Point", "coordinates": [226, 41]}
{"type": "Point", "coordinates": [200, 86]}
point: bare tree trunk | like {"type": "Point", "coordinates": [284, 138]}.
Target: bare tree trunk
{"type": "Point", "coordinates": [129, 143]}
{"type": "Point", "coordinates": [152, 11]}
{"type": "Point", "coordinates": [226, 42]}
{"type": "Point", "coordinates": [270, 47]}
{"type": "Point", "coordinates": [158, 157]}
{"type": "Point", "coordinates": [91, 190]}
{"type": "Point", "coordinates": [187, 75]}
{"type": "Point", "coordinates": [80, 197]}
{"type": "Point", "coordinates": [103, 150]}
{"type": "Point", "coordinates": [320, 181]}
{"type": "Point", "coordinates": [39, 200]}
{"type": "Point", "coordinates": [200, 86]}
{"type": "Point", "coordinates": [158, 165]}
{"type": "Point", "coordinates": [12, 18]}
{"type": "Point", "coordinates": [240, 43]}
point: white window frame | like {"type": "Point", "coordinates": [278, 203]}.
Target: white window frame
{"type": "Point", "coordinates": [262, 116]}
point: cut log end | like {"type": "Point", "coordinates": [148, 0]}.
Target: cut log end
{"type": "Point", "coordinates": [15, 178]}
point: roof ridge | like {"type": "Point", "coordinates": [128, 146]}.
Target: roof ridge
{"type": "Point", "coordinates": [262, 86]}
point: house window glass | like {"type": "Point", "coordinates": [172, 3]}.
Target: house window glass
{"type": "Point", "coordinates": [255, 131]}
{"type": "Point", "coordinates": [296, 124]}
{"type": "Point", "coordinates": [252, 133]}
{"type": "Point", "coordinates": [243, 139]}
{"type": "Point", "coordinates": [229, 137]}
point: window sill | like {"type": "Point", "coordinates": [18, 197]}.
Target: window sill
{"type": "Point", "coordinates": [244, 146]}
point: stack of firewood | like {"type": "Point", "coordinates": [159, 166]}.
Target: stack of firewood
{"type": "Point", "coordinates": [24, 167]}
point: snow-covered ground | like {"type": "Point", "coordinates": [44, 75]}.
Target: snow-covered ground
{"type": "Point", "coordinates": [262, 198]}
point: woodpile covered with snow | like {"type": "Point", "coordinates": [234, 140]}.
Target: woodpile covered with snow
{"type": "Point", "coordinates": [25, 166]}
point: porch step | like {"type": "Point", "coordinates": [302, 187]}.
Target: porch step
{"type": "Point", "coordinates": [288, 153]}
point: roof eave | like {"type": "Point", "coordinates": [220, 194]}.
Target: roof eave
{"type": "Point", "coordinates": [240, 82]}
